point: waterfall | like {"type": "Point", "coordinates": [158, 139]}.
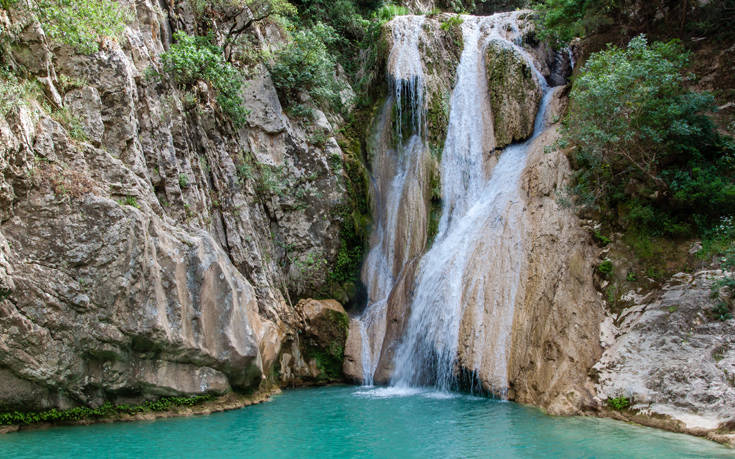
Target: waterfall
{"type": "Point", "coordinates": [468, 282]}
{"type": "Point", "coordinates": [396, 185]}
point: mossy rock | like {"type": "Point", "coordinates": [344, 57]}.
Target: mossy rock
{"type": "Point", "coordinates": [514, 93]}
{"type": "Point", "coordinates": [323, 336]}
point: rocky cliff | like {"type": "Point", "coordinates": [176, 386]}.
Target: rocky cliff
{"type": "Point", "coordinates": [150, 246]}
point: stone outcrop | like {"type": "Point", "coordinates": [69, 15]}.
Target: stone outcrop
{"type": "Point", "coordinates": [514, 92]}
{"type": "Point", "coordinates": [352, 367]}
{"type": "Point", "coordinates": [556, 325]}
{"type": "Point", "coordinates": [151, 247]}
{"type": "Point", "coordinates": [316, 353]}
{"type": "Point", "coordinates": [671, 359]}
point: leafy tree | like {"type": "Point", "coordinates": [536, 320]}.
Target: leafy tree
{"type": "Point", "coordinates": [559, 21]}
{"type": "Point", "coordinates": [193, 58]}
{"type": "Point", "coordinates": [643, 144]}
{"type": "Point", "coordinates": [306, 64]}
{"type": "Point", "coordinates": [242, 14]}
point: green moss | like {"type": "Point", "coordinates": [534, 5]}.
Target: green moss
{"type": "Point", "coordinates": [435, 209]}
{"type": "Point", "coordinates": [355, 212]}
{"type": "Point", "coordinates": [105, 411]}
{"type": "Point", "coordinates": [438, 119]}
{"type": "Point", "coordinates": [328, 349]}
{"type": "Point", "coordinates": [605, 268]}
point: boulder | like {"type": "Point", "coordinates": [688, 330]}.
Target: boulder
{"type": "Point", "coordinates": [514, 92]}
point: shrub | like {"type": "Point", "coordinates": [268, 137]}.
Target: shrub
{"type": "Point", "coordinates": [618, 403]}
{"type": "Point", "coordinates": [305, 64]}
{"type": "Point", "coordinates": [388, 11]}
{"type": "Point", "coordinates": [82, 24]}
{"type": "Point", "coordinates": [13, 91]}
{"type": "Point", "coordinates": [259, 9]}
{"type": "Point", "coordinates": [194, 58]}
{"type": "Point", "coordinates": [451, 23]}
{"type": "Point", "coordinates": [606, 267]}
{"type": "Point", "coordinates": [643, 146]}
{"type": "Point", "coordinates": [183, 180]}
{"type": "Point", "coordinates": [106, 410]}
{"type": "Point", "coordinates": [559, 21]}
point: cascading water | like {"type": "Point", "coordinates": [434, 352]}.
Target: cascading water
{"type": "Point", "coordinates": [397, 183]}
{"type": "Point", "coordinates": [470, 278]}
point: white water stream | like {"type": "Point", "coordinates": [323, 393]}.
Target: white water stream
{"type": "Point", "coordinates": [396, 184]}
{"type": "Point", "coordinates": [467, 284]}
{"type": "Point", "coordinates": [476, 259]}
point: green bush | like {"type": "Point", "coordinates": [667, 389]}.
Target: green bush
{"type": "Point", "coordinates": [82, 23]}
{"type": "Point", "coordinates": [193, 58]}
{"type": "Point", "coordinates": [646, 154]}
{"type": "Point", "coordinates": [559, 21]}
{"type": "Point", "coordinates": [14, 91]}
{"type": "Point", "coordinates": [388, 11]}
{"type": "Point", "coordinates": [260, 9]}
{"type": "Point", "coordinates": [606, 267]}
{"type": "Point", "coordinates": [452, 22]}
{"type": "Point", "coordinates": [618, 403]}
{"type": "Point", "coordinates": [306, 64]}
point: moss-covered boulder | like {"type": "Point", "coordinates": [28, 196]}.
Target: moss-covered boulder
{"type": "Point", "coordinates": [323, 333]}
{"type": "Point", "coordinates": [514, 92]}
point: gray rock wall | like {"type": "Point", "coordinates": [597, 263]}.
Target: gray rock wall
{"type": "Point", "coordinates": [159, 252]}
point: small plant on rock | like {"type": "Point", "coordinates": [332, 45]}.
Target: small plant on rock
{"type": "Point", "coordinates": [618, 403]}
{"type": "Point", "coordinates": [605, 268]}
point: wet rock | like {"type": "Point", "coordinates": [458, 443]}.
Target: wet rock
{"type": "Point", "coordinates": [352, 367]}
{"type": "Point", "coordinates": [514, 92]}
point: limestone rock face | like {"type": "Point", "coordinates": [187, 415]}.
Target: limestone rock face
{"type": "Point", "coordinates": [352, 366]}
{"type": "Point", "coordinates": [316, 355]}
{"type": "Point", "coordinates": [107, 298]}
{"type": "Point", "coordinates": [514, 92]}
{"type": "Point", "coordinates": [671, 359]}
{"type": "Point", "coordinates": [556, 325]}
{"type": "Point", "coordinates": [155, 248]}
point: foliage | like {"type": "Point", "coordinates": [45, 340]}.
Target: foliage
{"type": "Point", "coordinates": [618, 403]}
{"type": "Point", "coordinates": [71, 122]}
{"type": "Point", "coordinates": [559, 21]}
{"type": "Point", "coordinates": [606, 267]}
{"type": "Point", "coordinates": [82, 24]}
{"type": "Point", "coordinates": [601, 239]}
{"type": "Point", "coordinates": [345, 17]}
{"type": "Point", "coordinates": [388, 11]}
{"type": "Point", "coordinates": [722, 310]}
{"type": "Point", "coordinates": [106, 410]}
{"type": "Point", "coordinates": [258, 9]}
{"type": "Point", "coordinates": [14, 91]}
{"type": "Point", "coordinates": [271, 180]}
{"type": "Point", "coordinates": [647, 155]}
{"type": "Point", "coordinates": [129, 201]}
{"type": "Point", "coordinates": [451, 23]}
{"type": "Point", "coordinates": [183, 180]}
{"type": "Point", "coordinates": [194, 58]}
{"type": "Point", "coordinates": [306, 64]}
{"type": "Point", "coordinates": [719, 239]}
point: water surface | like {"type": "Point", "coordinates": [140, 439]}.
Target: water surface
{"type": "Point", "coordinates": [359, 422]}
